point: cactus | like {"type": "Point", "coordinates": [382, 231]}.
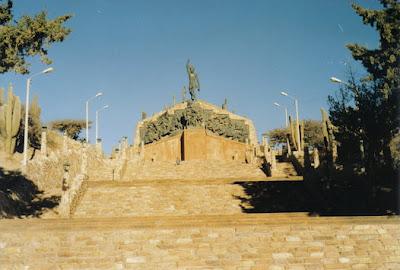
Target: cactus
{"type": "Point", "coordinates": [328, 132]}
{"type": "Point", "coordinates": [35, 125]}
{"type": "Point", "coordinates": [301, 127]}
{"type": "Point", "coordinates": [296, 131]}
{"type": "Point", "coordinates": [1, 97]}
{"type": "Point", "coordinates": [10, 120]}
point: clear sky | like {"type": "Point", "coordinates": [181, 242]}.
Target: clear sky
{"type": "Point", "coordinates": [246, 51]}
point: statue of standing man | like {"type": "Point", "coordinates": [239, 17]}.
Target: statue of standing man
{"type": "Point", "coordinates": [194, 83]}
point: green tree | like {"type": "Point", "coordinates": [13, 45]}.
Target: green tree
{"type": "Point", "coordinates": [71, 127]}
{"type": "Point", "coordinates": [312, 134]}
{"type": "Point", "coordinates": [27, 37]}
{"type": "Point", "coordinates": [34, 128]}
{"type": "Point", "coordinates": [382, 63]}
{"type": "Point", "coordinates": [35, 124]}
{"type": "Point", "coordinates": [367, 111]}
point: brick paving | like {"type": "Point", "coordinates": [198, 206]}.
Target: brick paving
{"type": "Point", "coordinates": [262, 241]}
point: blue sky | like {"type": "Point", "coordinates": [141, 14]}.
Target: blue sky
{"type": "Point", "coordinates": [246, 51]}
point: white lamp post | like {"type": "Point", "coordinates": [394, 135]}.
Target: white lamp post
{"type": "Point", "coordinates": [28, 86]}
{"type": "Point", "coordinates": [286, 113]}
{"type": "Point", "coordinates": [87, 115]}
{"type": "Point", "coordinates": [297, 114]}
{"type": "Point", "coordinates": [97, 120]}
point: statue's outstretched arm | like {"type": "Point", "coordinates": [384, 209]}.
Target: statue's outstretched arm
{"type": "Point", "coordinates": [187, 65]}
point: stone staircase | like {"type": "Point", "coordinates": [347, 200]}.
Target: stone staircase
{"type": "Point", "coordinates": [160, 198]}
{"type": "Point", "coordinates": [105, 170]}
{"type": "Point", "coordinates": [189, 216]}
{"type": "Point", "coordinates": [262, 241]}
{"type": "Point", "coordinates": [201, 170]}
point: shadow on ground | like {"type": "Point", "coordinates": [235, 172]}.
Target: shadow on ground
{"type": "Point", "coordinates": [309, 196]}
{"type": "Point", "coordinates": [20, 197]}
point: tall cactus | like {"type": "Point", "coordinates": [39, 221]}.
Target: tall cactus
{"type": "Point", "coordinates": [293, 134]}
{"type": "Point", "coordinates": [1, 96]}
{"type": "Point", "coordinates": [328, 130]}
{"type": "Point", "coordinates": [301, 129]}
{"type": "Point", "coordinates": [10, 119]}
{"type": "Point", "coordinates": [296, 134]}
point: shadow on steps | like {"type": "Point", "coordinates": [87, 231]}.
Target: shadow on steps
{"type": "Point", "coordinates": [20, 197]}
{"type": "Point", "coordinates": [303, 196]}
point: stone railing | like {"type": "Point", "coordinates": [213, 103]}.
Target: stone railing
{"type": "Point", "coordinates": [72, 195]}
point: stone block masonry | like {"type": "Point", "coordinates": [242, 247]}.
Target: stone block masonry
{"type": "Point", "coordinates": [266, 241]}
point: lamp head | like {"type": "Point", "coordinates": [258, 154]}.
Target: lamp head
{"type": "Point", "coordinates": [48, 70]}
{"type": "Point", "coordinates": [277, 104]}
{"type": "Point", "coordinates": [335, 80]}
{"type": "Point", "coordinates": [284, 93]}
{"type": "Point", "coordinates": [105, 106]}
{"type": "Point", "coordinates": [99, 94]}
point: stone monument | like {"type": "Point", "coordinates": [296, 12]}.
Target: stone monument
{"type": "Point", "coordinates": [194, 84]}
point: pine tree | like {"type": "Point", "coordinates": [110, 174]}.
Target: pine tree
{"type": "Point", "coordinates": [27, 37]}
{"type": "Point", "coordinates": [366, 111]}
{"type": "Point", "coordinates": [383, 63]}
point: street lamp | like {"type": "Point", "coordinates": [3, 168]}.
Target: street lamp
{"type": "Point", "coordinates": [87, 115]}
{"type": "Point", "coordinates": [336, 80]}
{"type": "Point", "coordinates": [286, 112]}
{"type": "Point", "coordinates": [297, 114]}
{"type": "Point", "coordinates": [97, 120]}
{"type": "Point", "coordinates": [28, 86]}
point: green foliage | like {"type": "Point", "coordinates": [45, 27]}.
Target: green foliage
{"type": "Point", "coordinates": [383, 63]}
{"type": "Point", "coordinates": [27, 37]}
{"type": "Point", "coordinates": [34, 128]}
{"type": "Point", "coordinates": [312, 134]}
{"type": "Point", "coordinates": [367, 112]}
{"type": "Point", "coordinates": [328, 131]}
{"type": "Point", "coordinates": [194, 116]}
{"type": "Point", "coordinates": [35, 125]}
{"type": "Point", "coordinates": [395, 149]}
{"type": "Point", "coordinates": [10, 118]}
{"type": "Point", "coordinates": [72, 127]}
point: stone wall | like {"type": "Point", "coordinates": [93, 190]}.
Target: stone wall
{"type": "Point", "coordinates": [195, 144]}
{"type": "Point", "coordinates": [200, 144]}
{"type": "Point", "coordinates": [47, 170]}
{"type": "Point", "coordinates": [167, 149]}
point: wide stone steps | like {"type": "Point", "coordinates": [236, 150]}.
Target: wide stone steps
{"type": "Point", "coordinates": [192, 170]}
{"type": "Point", "coordinates": [260, 241]}
{"type": "Point", "coordinates": [166, 198]}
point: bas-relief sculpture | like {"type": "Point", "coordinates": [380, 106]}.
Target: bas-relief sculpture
{"type": "Point", "coordinates": [194, 116]}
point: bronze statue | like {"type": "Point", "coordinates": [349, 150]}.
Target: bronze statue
{"type": "Point", "coordinates": [194, 83]}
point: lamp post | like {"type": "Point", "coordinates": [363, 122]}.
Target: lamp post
{"type": "Point", "coordinates": [286, 125]}
{"type": "Point", "coordinates": [87, 114]}
{"type": "Point", "coordinates": [297, 115]}
{"type": "Point", "coordinates": [28, 86]}
{"type": "Point", "coordinates": [97, 120]}
{"type": "Point", "coordinates": [286, 113]}
{"type": "Point", "coordinates": [336, 80]}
